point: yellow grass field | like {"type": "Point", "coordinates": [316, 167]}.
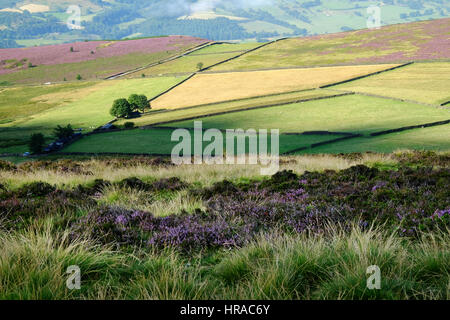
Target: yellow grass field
{"type": "Point", "coordinates": [216, 87]}
{"type": "Point", "coordinates": [423, 82]}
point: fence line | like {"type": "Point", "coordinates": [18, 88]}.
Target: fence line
{"type": "Point", "coordinates": [247, 109]}
{"type": "Point", "coordinates": [366, 75]}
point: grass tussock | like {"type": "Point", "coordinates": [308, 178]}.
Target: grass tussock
{"type": "Point", "coordinates": [160, 204]}
{"type": "Point", "coordinates": [33, 265]}
{"type": "Point", "coordinates": [141, 228]}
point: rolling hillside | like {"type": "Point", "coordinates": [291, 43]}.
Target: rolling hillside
{"type": "Point", "coordinates": [416, 41]}
{"type": "Point", "coordinates": [90, 60]}
{"type": "Point", "coordinates": [372, 97]}
{"type": "Point", "coordinates": [37, 22]}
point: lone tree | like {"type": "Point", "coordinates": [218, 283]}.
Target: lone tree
{"type": "Point", "coordinates": [139, 102]}
{"type": "Point", "coordinates": [200, 65]}
{"type": "Point", "coordinates": [36, 143]}
{"type": "Point", "coordinates": [79, 77]}
{"type": "Point", "coordinates": [121, 108]}
{"type": "Point", "coordinates": [63, 132]}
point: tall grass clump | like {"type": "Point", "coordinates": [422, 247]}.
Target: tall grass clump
{"type": "Point", "coordinates": [334, 267]}
{"type": "Point", "coordinates": [33, 264]}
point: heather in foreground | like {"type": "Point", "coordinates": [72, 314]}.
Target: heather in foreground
{"type": "Point", "coordinates": [156, 231]}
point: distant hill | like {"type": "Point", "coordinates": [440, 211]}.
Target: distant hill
{"type": "Point", "coordinates": [88, 59]}
{"type": "Point", "coordinates": [39, 22]}
{"type": "Point", "coordinates": [416, 41]}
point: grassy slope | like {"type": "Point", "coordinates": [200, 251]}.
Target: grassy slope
{"type": "Point", "coordinates": [93, 69]}
{"type": "Point", "coordinates": [20, 102]}
{"type": "Point", "coordinates": [433, 138]}
{"type": "Point", "coordinates": [158, 141]}
{"type": "Point", "coordinates": [215, 87]}
{"type": "Point", "coordinates": [89, 110]}
{"type": "Point", "coordinates": [356, 114]}
{"type": "Point", "coordinates": [391, 43]}
{"type": "Point", "coordinates": [209, 56]}
{"type": "Point", "coordinates": [197, 111]}
{"type": "Point", "coordinates": [423, 82]}
{"type": "Point", "coordinates": [186, 64]}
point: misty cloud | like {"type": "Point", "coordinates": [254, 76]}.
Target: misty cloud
{"type": "Point", "coordinates": [210, 5]}
{"type": "Point", "coordinates": [176, 8]}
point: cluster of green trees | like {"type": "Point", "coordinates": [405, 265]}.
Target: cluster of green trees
{"type": "Point", "coordinates": [26, 25]}
{"type": "Point", "coordinates": [8, 43]}
{"type": "Point", "coordinates": [37, 140]}
{"type": "Point", "coordinates": [63, 132]}
{"type": "Point", "coordinates": [123, 108]}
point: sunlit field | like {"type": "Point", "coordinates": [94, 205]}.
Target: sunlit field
{"type": "Point", "coordinates": [422, 82]}
{"type": "Point", "coordinates": [83, 106]}
{"type": "Point", "coordinates": [351, 114]}
{"type": "Point", "coordinates": [210, 88]}
{"type": "Point", "coordinates": [357, 179]}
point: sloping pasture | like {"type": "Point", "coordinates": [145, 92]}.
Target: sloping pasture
{"type": "Point", "coordinates": [216, 87]}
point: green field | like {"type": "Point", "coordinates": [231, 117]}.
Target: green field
{"type": "Point", "coordinates": [186, 64]}
{"type": "Point", "coordinates": [85, 108]}
{"type": "Point", "coordinates": [227, 100]}
{"type": "Point", "coordinates": [433, 138]}
{"type": "Point", "coordinates": [183, 113]}
{"type": "Point", "coordinates": [351, 114]}
{"type": "Point", "coordinates": [208, 56]}
{"type": "Point", "coordinates": [157, 141]}
{"type": "Point", "coordinates": [422, 82]}
{"type": "Point", "coordinates": [24, 101]}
